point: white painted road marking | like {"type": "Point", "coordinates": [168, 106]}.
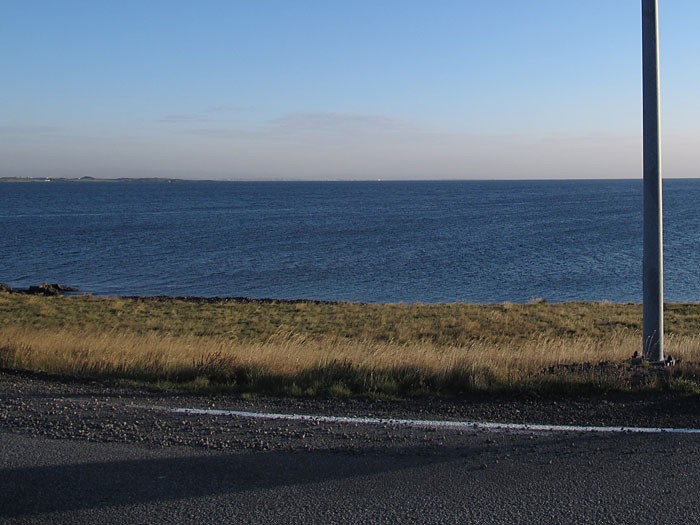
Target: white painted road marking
{"type": "Point", "coordinates": [420, 423]}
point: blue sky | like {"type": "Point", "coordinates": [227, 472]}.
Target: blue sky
{"type": "Point", "coordinates": [341, 90]}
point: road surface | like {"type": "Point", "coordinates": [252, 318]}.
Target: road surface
{"type": "Point", "coordinates": [86, 453]}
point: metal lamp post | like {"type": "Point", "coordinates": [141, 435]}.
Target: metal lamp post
{"type": "Point", "coordinates": [653, 262]}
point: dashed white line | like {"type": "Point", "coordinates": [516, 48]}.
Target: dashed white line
{"type": "Point", "coordinates": [436, 424]}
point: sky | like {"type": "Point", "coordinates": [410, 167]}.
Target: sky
{"type": "Point", "coordinates": [352, 90]}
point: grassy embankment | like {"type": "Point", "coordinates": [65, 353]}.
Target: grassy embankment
{"type": "Point", "coordinates": [341, 349]}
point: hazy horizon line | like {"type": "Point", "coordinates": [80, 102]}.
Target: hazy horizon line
{"type": "Point", "coordinates": [301, 179]}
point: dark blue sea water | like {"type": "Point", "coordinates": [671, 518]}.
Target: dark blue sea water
{"type": "Point", "coordinates": [356, 241]}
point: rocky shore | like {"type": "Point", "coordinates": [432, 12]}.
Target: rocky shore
{"type": "Point", "coordinates": [56, 289]}
{"type": "Point", "coordinates": [46, 289]}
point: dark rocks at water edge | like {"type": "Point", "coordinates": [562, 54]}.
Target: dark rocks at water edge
{"type": "Point", "coordinates": [218, 299]}
{"type": "Point", "coordinates": [50, 289]}
{"type": "Point", "coordinates": [42, 289]}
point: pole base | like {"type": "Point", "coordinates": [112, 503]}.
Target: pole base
{"type": "Point", "coordinates": [638, 359]}
{"type": "Point", "coordinates": [669, 361]}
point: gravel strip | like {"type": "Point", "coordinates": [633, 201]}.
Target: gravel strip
{"type": "Point", "coordinates": [62, 408]}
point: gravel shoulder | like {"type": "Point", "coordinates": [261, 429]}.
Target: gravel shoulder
{"type": "Point", "coordinates": [64, 408]}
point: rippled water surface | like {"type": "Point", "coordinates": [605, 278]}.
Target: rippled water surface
{"type": "Point", "coordinates": [357, 241]}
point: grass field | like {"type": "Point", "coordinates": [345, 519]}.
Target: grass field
{"type": "Point", "coordinates": [309, 348]}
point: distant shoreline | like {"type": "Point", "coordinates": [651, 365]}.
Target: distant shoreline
{"type": "Point", "coordinates": [93, 179]}
{"type": "Point", "coordinates": [273, 180]}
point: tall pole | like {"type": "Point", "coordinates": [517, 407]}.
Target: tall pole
{"type": "Point", "coordinates": [653, 263]}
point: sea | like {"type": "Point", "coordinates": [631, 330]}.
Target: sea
{"type": "Point", "coordinates": [374, 242]}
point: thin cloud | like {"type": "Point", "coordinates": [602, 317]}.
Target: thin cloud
{"type": "Point", "coordinates": [219, 133]}
{"type": "Point", "coordinates": [592, 138]}
{"type": "Point", "coordinates": [24, 131]}
{"type": "Point", "coordinates": [180, 119]}
{"type": "Point", "coordinates": [343, 123]}
{"type": "Point", "coordinates": [225, 108]}
{"type": "Point", "coordinates": [304, 127]}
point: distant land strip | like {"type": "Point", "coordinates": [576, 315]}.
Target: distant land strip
{"type": "Point", "coordinates": [94, 179]}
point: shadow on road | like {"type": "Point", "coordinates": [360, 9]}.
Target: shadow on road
{"type": "Point", "coordinates": [496, 472]}
{"type": "Point", "coordinates": [67, 487]}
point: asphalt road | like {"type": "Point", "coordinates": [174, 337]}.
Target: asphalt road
{"type": "Point", "coordinates": [86, 454]}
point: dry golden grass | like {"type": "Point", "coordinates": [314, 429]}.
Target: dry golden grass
{"type": "Point", "coordinates": [290, 363]}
